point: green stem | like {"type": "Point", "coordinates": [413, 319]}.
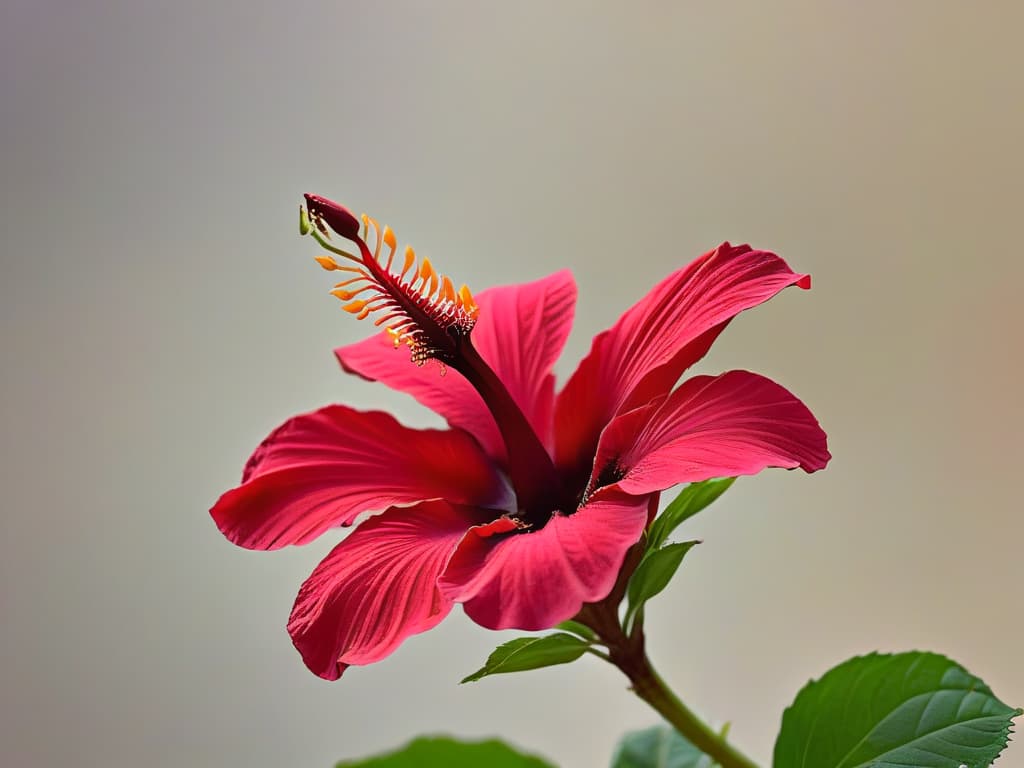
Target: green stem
{"type": "Point", "coordinates": [649, 686]}
{"type": "Point", "coordinates": [627, 652]}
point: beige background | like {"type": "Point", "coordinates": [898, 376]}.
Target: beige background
{"type": "Point", "coordinates": [159, 315]}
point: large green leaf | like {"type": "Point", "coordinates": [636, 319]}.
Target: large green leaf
{"type": "Point", "coordinates": [653, 575]}
{"type": "Point", "coordinates": [443, 751]}
{"type": "Point", "coordinates": [691, 500]}
{"type": "Point", "coordinates": [894, 711]}
{"type": "Point", "coordinates": [525, 653]}
{"type": "Point", "coordinates": [657, 747]}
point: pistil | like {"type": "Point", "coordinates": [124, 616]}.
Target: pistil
{"type": "Point", "coordinates": [418, 306]}
{"type": "Point", "coordinates": [539, 490]}
{"type": "Point", "coordinates": [425, 311]}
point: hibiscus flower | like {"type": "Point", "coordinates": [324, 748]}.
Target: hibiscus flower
{"type": "Point", "coordinates": [524, 509]}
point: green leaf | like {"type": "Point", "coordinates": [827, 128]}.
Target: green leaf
{"type": "Point", "coordinates": [691, 500]}
{"type": "Point", "coordinates": [657, 747]}
{"type": "Point", "coordinates": [883, 711]}
{"type": "Point", "coordinates": [653, 575]}
{"type": "Point", "coordinates": [441, 750]}
{"type": "Point", "coordinates": [577, 629]}
{"type": "Point", "coordinates": [525, 653]}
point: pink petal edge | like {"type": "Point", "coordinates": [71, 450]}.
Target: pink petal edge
{"type": "Point", "coordinates": [658, 338]}
{"type": "Point", "coordinates": [377, 587]}
{"type": "Point", "coordinates": [734, 424]}
{"type": "Point", "coordinates": [323, 469]}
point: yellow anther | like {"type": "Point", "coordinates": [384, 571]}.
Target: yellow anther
{"type": "Point", "coordinates": [447, 289]}
{"type": "Point", "coordinates": [389, 238]}
{"type": "Point", "coordinates": [327, 262]}
{"type": "Point", "coordinates": [410, 257]}
{"type": "Point", "coordinates": [356, 306]}
{"type": "Point", "coordinates": [427, 273]}
{"type": "Point", "coordinates": [468, 303]}
{"type": "Point", "coordinates": [376, 234]}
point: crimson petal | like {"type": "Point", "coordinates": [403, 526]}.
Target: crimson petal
{"type": "Point", "coordinates": [657, 339]}
{"type": "Point", "coordinates": [323, 469]}
{"type": "Point", "coordinates": [520, 332]}
{"type": "Point", "coordinates": [723, 426]}
{"type": "Point", "coordinates": [535, 580]}
{"type": "Point", "coordinates": [377, 587]}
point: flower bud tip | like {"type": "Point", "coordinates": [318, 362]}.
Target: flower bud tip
{"type": "Point", "coordinates": [337, 217]}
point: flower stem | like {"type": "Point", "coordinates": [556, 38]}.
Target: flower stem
{"type": "Point", "coordinates": [627, 652]}
{"type": "Point", "coordinates": [648, 685]}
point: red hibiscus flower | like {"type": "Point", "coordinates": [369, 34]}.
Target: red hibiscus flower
{"type": "Point", "coordinates": [523, 510]}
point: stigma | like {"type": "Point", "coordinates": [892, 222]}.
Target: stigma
{"type": "Point", "coordinates": [415, 304]}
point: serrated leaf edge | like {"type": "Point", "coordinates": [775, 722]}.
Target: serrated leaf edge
{"type": "Point", "coordinates": [1007, 730]}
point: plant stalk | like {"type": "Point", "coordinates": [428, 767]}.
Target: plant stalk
{"type": "Point", "coordinates": [648, 685]}
{"type": "Point", "coordinates": [628, 653]}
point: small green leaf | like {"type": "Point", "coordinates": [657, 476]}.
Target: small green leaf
{"type": "Point", "coordinates": [525, 653]}
{"type": "Point", "coordinates": [441, 750]}
{"type": "Point", "coordinates": [883, 710]}
{"type": "Point", "coordinates": [577, 629]}
{"type": "Point", "coordinates": [653, 575]}
{"type": "Point", "coordinates": [657, 747]}
{"type": "Point", "coordinates": [691, 500]}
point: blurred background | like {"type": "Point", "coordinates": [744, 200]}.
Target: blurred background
{"type": "Point", "coordinates": [160, 315]}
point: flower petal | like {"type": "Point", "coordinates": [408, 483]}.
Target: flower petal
{"type": "Point", "coordinates": [535, 580]}
{"type": "Point", "coordinates": [526, 327]}
{"type": "Point", "coordinates": [377, 587]}
{"type": "Point", "coordinates": [712, 426]}
{"type": "Point", "coordinates": [647, 350]}
{"type": "Point", "coordinates": [520, 332]}
{"type": "Point", "coordinates": [324, 468]}
{"type": "Point", "coordinates": [450, 395]}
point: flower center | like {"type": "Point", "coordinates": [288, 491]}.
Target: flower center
{"type": "Point", "coordinates": [422, 309]}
